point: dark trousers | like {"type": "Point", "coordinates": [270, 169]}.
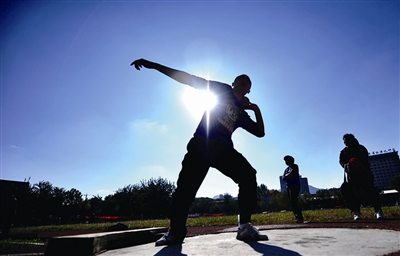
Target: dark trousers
{"type": "Point", "coordinates": [202, 154]}
{"type": "Point", "coordinates": [293, 193]}
{"type": "Point", "coordinates": [357, 194]}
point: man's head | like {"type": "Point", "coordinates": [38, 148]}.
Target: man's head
{"type": "Point", "coordinates": [349, 140]}
{"type": "Point", "coordinates": [289, 160]}
{"type": "Point", "coordinates": [242, 84]}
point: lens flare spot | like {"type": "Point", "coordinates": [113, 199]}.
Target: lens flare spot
{"type": "Point", "coordinates": [198, 101]}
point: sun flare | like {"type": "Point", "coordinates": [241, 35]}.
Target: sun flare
{"type": "Point", "coordinates": [198, 101]}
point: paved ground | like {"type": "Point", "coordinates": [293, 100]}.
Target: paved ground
{"type": "Point", "coordinates": [342, 237]}
{"type": "Point", "coordinates": [302, 241]}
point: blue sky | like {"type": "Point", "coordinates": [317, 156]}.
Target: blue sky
{"type": "Point", "coordinates": [76, 114]}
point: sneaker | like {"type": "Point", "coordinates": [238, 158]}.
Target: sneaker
{"type": "Point", "coordinates": [300, 221]}
{"type": "Point", "coordinates": [379, 215]}
{"type": "Point", "coordinates": [168, 239]}
{"type": "Point", "coordinates": [357, 216]}
{"type": "Point", "coordinates": [250, 233]}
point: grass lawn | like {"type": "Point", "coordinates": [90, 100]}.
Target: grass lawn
{"type": "Point", "coordinates": [273, 218]}
{"type": "Point", "coordinates": [21, 245]}
{"type": "Point", "coordinates": [30, 245]}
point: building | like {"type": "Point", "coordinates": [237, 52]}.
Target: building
{"type": "Point", "coordinates": [385, 165]}
{"type": "Point", "coordinates": [10, 193]}
{"type": "Point", "coordinates": [303, 185]}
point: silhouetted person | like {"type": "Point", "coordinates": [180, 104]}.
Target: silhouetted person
{"type": "Point", "coordinates": [354, 159]}
{"type": "Point", "coordinates": [292, 178]}
{"type": "Point", "coordinates": [212, 146]}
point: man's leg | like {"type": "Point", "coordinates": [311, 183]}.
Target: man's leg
{"type": "Point", "coordinates": [234, 165]}
{"type": "Point", "coordinates": [354, 204]}
{"type": "Point", "coordinates": [350, 199]}
{"type": "Point", "coordinates": [295, 203]}
{"type": "Point", "coordinates": [293, 193]}
{"type": "Point", "coordinates": [375, 198]}
{"type": "Point", "coordinates": [194, 170]}
{"type": "Point", "coordinates": [290, 192]}
{"type": "Point", "coordinates": [376, 202]}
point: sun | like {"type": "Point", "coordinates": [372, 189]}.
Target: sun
{"type": "Point", "coordinates": [198, 101]}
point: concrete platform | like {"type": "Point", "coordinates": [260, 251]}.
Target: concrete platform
{"type": "Point", "coordinates": [92, 244]}
{"type": "Point", "coordinates": [303, 241]}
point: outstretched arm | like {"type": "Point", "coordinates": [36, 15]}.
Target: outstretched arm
{"type": "Point", "coordinates": [177, 75]}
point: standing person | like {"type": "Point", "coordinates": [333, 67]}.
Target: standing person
{"type": "Point", "coordinates": [292, 177]}
{"type": "Point", "coordinates": [212, 146]}
{"type": "Point", "coordinates": [354, 159]}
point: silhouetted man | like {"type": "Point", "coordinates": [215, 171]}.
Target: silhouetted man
{"type": "Point", "coordinates": [212, 146]}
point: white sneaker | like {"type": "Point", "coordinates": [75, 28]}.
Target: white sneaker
{"type": "Point", "coordinates": [250, 233]}
{"type": "Point", "coordinates": [379, 215]}
{"type": "Point", "coordinates": [357, 216]}
{"type": "Point", "coordinates": [168, 239]}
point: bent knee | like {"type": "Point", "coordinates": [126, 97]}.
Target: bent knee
{"type": "Point", "coordinates": [248, 179]}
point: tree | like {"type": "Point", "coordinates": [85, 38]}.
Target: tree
{"type": "Point", "coordinates": [201, 205]}
{"type": "Point", "coordinates": [279, 201]}
{"type": "Point", "coordinates": [42, 194]}
{"type": "Point", "coordinates": [124, 198]}
{"type": "Point", "coordinates": [155, 197]}
{"type": "Point", "coordinates": [49, 203]}
{"type": "Point", "coordinates": [73, 207]}
{"type": "Point", "coordinates": [73, 197]}
{"type": "Point", "coordinates": [57, 204]}
{"type": "Point", "coordinates": [110, 206]}
{"type": "Point", "coordinates": [262, 198]}
{"type": "Point", "coordinates": [325, 198]}
{"type": "Point", "coordinates": [305, 201]}
{"type": "Point", "coordinates": [96, 204]}
{"type": "Point", "coordinates": [150, 199]}
{"type": "Point", "coordinates": [230, 205]}
{"type": "Point", "coordinates": [395, 183]}
{"type": "Point", "coordinates": [323, 193]}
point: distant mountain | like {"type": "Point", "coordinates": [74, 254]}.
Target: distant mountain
{"type": "Point", "coordinates": [221, 196]}
{"type": "Point", "coordinates": [312, 189]}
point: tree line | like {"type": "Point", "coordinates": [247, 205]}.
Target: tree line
{"type": "Point", "coordinates": [43, 204]}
